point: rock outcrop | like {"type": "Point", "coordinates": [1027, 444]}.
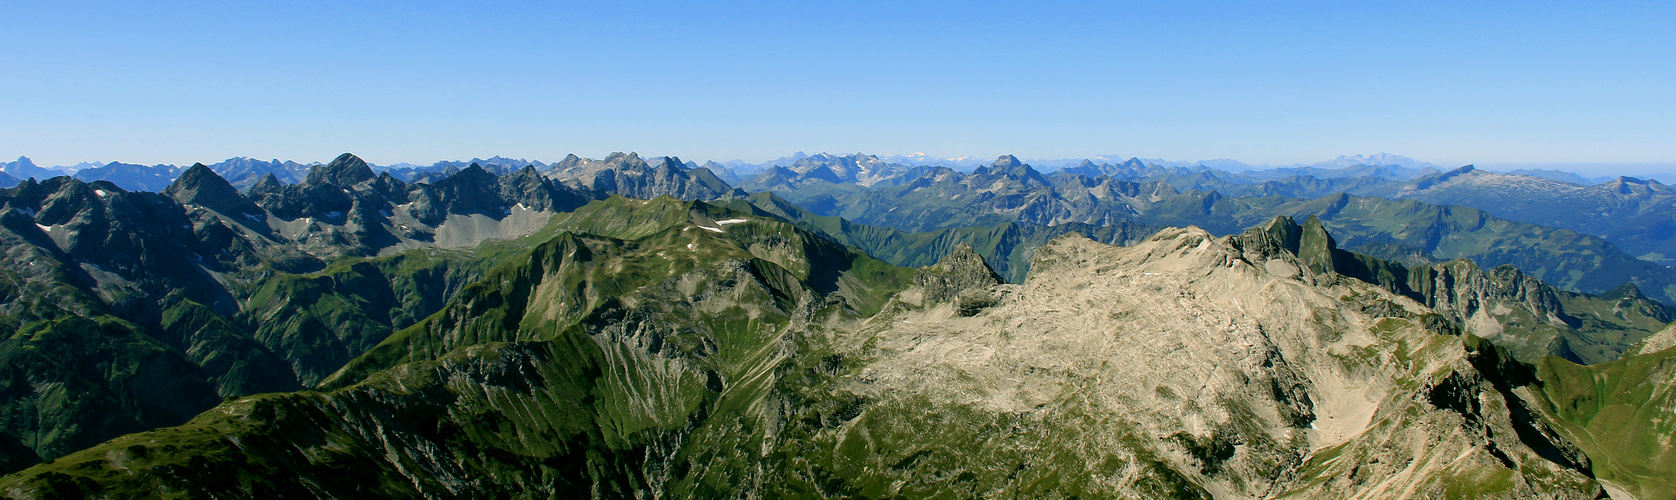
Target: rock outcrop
{"type": "Point", "coordinates": [963, 277]}
{"type": "Point", "coordinates": [1503, 304]}
{"type": "Point", "coordinates": [201, 186]}
{"type": "Point", "coordinates": [629, 175]}
{"type": "Point", "coordinates": [1191, 366]}
{"type": "Point", "coordinates": [681, 350]}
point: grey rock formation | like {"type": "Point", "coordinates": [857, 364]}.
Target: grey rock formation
{"type": "Point", "coordinates": [962, 277]}
{"type": "Point", "coordinates": [660, 348]}
{"type": "Point", "coordinates": [345, 170]}
{"type": "Point", "coordinates": [629, 175]}
{"type": "Point", "coordinates": [1236, 371]}
{"type": "Point", "coordinates": [1503, 304]}
{"type": "Point", "coordinates": [200, 185]}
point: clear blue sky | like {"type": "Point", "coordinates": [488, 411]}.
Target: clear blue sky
{"type": "Point", "coordinates": [161, 82]}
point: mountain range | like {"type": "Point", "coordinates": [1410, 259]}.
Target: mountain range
{"type": "Point", "coordinates": [836, 326]}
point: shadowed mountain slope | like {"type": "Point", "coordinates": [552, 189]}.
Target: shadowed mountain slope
{"type": "Point", "coordinates": [674, 349]}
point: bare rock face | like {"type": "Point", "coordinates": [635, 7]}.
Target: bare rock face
{"type": "Point", "coordinates": [961, 276]}
{"type": "Point", "coordinates": [343, 208]}
{"type": "Point", "coordinates": [1514, 309]}
{"type": "Point", "coordinates": [663, 349]}
{"type": "Point", "coordinates": [201, 186]}
{"type": "Point", "coordinates": [859, 169]}
{"type": "Point", "coordinates": [1660, 341]}
{"type": "Point", "coordinates": [1187, 366]}
{"type": "Point", "coordinates": [345, 170]}
{"type": "Point", "coordinates": [631, 176]}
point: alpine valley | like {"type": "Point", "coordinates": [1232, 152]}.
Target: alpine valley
{"type": "Point", "coordinates": [833, 326]}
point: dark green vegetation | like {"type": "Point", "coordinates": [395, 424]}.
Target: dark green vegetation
{"type": "Point", "coordinates": [577, 368]}
{"type": "Point", "coordinates": [675, 349]}
{"type": "Point", "coordinates": [1444, 245]}
{"type": "Point", "coordinates": [127, 311]}
{"type": "Point", "coordinates": [95, 338]}
{"type": "Point", "coordinates": [1636, 215]}
{"type": "Point", "coordinates": [1619, 413]}
{"type": "Point", "coordinates": [484, 334]}
{"type": "Point", "coordinates": [74, 382]}
{"type": "Point", "coordinates": [928, 199]}
{"type": "Point", "coordinates": [319, 321]}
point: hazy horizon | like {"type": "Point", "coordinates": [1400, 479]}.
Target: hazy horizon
{"type": "Point", "coordinates": [1585, 169]}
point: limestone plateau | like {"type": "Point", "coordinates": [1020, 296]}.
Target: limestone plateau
{"type": "Point", "coordinates": [839, 326]}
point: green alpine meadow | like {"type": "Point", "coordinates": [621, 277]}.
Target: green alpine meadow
{"type": "Point", "coordinates": [1065, 250]}
{"type": "Point", "coordinates": [621, 328]}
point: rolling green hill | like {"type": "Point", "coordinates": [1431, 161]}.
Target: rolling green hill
{"type": "Point", "coordinates": [896, 332]}
{"type": "Point", "coordinates": [665, 348]}
{"type": "Point", "coordinates": [1619, 414]}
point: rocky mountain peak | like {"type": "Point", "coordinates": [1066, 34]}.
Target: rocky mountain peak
{"type": "Point", "coordinates": [22, 162]}
{"type": "Point", "coordinates": [475, 170]}
{"type": "Point", "coordinates": [267, 184]}
{"type": "Point", "coordinates": [1009, 166]}
{"type": "Point", "coordinates": [961, 275]}
{"type": "Point", "coordinates": [200, 185]}
{"type": "Point", "coordinates": [622, 160]}
{"type": "Point", "coordinates": [473, 177]}
{"type": "Point", "coordinates": [346, 170]}
{"type": "Point", "coordinates": [1285, 232]}
{"type": "Point", "coordinates": [1626, 291]}
{"type": "Point", "coordinates": [569, 161]}
{"type": "Point", "coordinates": [528, 187]}
{"type": "Point", "coordinates": [526, 174]}
{"type": "Point", "coordinates": [1426, 182]}
{"type": "Point", "coordinates": [1316, 247]}
{"type": "Point", "coordinates": [1309, 243]}
{"type": "Point", "coordinates": [672, 162]}
{"type": "Point", "coordinates": [1628, 186]}
{"type": "Point", "coordinates": [1006, 162]}
{"type": "Point", "coordinates": [964, 260]}
{"type": "Point", "coordinates": [24, 168]}
{"type": "Point", "coordinates": [1280, 236]}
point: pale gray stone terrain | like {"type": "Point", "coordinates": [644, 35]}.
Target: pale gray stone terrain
{"type": "Point", "coordinates": [1246, 376]}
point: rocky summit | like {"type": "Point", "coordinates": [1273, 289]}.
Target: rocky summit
{"type": "Point", "coordinates": [624, 328]}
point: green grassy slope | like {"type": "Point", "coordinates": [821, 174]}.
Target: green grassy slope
{"type": "Point", "coordinates": [582, 366]}
{"type": "Point", "coordinates": [321, 320]}
{"type": "Point", "coordinates": [687, 349]}
{"type": "Point", "coordinates": [72, 382]}
{"type": "Point", "coordinates": [1620, 414]}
